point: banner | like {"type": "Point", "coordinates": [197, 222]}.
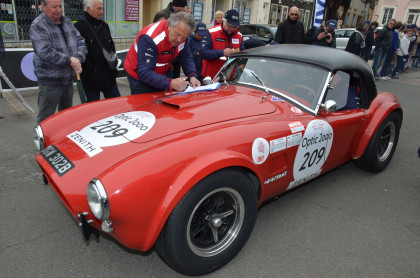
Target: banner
{"type": "Point", "coordinates": [319, 12]}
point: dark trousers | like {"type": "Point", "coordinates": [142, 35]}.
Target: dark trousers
{"type": "Point", "coordinates": [399, 66]}
{"type": "Point", "coordinates": [377, 60]}
{"type": "Point", "coordinates": [53, 97]}
{"type": "Point", "coordinates": [387, 62]}
{"type": "Point", "coordinates": [109, 92]}
{"type": "Point", "coordinates": [138, 87]}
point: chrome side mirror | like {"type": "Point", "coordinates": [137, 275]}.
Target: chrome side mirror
{"type": "Point", "coordinates": [329, 106]}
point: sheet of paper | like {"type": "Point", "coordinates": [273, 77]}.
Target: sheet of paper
{"type": "Point", "coordinates": [209, 87]}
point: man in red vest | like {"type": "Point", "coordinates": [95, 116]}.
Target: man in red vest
{"type": "Point", "coordinates": [219, 43]}
{"type": "Point", "coordinates": [153, 52]}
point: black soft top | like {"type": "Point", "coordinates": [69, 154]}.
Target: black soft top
{"type": "Point", "coordinates": [331, 59]}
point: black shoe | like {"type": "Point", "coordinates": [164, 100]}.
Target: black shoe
{"type": "Point", "coordinates": [395, 77]}
{"type": "Point", "coordinates": [1, 117]}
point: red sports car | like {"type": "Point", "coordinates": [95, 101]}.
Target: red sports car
{"type": "Point", "coordinates": [185, 173]}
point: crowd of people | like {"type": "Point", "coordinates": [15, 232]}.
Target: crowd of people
{"type": "Point", "coordinates": [174, 41]}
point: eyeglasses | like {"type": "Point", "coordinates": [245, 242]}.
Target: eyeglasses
{"type": "Point", "coordinates": [294, 14]}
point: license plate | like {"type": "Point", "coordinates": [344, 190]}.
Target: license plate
{"type": "Point", "coordinates": [57, 160]}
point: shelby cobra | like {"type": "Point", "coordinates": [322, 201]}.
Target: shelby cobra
{"type": "Point", "coordinates": [185, 173]}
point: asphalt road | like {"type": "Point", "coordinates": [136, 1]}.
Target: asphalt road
{"type": "Point", "coordinates": [348, 223]}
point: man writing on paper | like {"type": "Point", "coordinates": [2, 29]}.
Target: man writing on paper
{"type": "Point", "coordinates": [153, 52]}
{"type": "Point", "coordinates": [220, 42]}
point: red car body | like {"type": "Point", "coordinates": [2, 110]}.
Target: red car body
{"type": "Point", "coordinates": [277, 142]}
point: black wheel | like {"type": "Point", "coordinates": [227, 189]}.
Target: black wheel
{"type": "Point", "coordinates": [382, 146]}
{"type": "Point", "coordinates": [210, 225]}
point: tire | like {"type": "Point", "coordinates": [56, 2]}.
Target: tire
{"type": "Point", "coordinates": [210, 225]}
{"type": "Point", "coordinates": [382, 146]}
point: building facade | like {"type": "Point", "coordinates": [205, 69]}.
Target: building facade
{"type": "Point", "coordinates": [406, 11]}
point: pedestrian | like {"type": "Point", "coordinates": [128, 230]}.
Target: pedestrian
{"type": "Point", "coordinates": [383, 41]}
{"type": "Point", "coordinates": [190, 11]}
{"type": "Point", "coordinates": [290, 30]}
{"type": "Point", "coordinates": [97, 75]}
{"type": "Point", "coordinates": [218, 18]}
{"type": "Point", "coordinates": [402, 52]}
{"type": "Point", "coordinates": [323, 36]}
{"type": "Point", "coordinates": [174, 7]}
{"type": "Point", "coordinates": [357, 42]}
{"type": "Point", "coordinates": [221, 42]}
{"type": "Point", "coordinates": [153, 52]}
{"type": "Point", "coordinates": [385, 70]}
{"type": "Point", "coordinates": [194, 42]}
{"type": "Point", "coordinates": [370, 39]}
{"type": "Point", "coordinates": [159, 16]}
{"type": "Point", "coordinates": [59, 50]}
{"type": "Point", "coordinates": [414, 41]}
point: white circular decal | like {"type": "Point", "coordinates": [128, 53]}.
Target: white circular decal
{"type": "Point", "coordinates": [260, 150]}
{"type": "Point", "coordinates": [313, 151]}
{"type": "Point", "coordinates": [112, 131]}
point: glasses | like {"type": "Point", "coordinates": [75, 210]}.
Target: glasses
{"type": "Point", "coordinates": [294, 14]}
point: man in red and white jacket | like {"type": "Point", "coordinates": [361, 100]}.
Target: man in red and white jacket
{"type": "Point", "coordinates": [219, 43]}
{"type": "Point", "coordinates": [153, 52]}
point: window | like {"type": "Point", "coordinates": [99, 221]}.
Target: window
{"type": "Point", "coordinates": [412, 16]}
{"type": "Point", "coordinates": [388, 12]}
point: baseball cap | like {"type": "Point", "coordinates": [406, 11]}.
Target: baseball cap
{"type": "Point", "coordinates": [200, 28]}
{"type": "Point", "coordinates": [232, 17]}
{"type": "Point", "coordinates": [332, 24]}
{"type": "Point", "coordinates": [179, 3]}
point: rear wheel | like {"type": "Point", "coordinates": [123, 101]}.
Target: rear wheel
{"type": "Point", "coordinates": [210, 225]}
{"type": "Point", "coordinates": [382, 146]}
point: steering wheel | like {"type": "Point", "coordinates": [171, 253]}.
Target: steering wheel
{"type": "Point", "coordinates": [308, 94]}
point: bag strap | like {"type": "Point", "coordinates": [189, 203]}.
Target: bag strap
{"type": "Point", "coordinates": [93, 31]}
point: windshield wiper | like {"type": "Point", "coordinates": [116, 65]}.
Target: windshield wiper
{"type": "Point", "coordinates": [259, 79]}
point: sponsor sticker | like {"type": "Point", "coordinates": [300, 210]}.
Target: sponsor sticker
{"type": "Point", "coordinates": [276, 177]}
{"type": "Point", "coordinates": [294, 140]}
{"type": "Point", "coordinates": [181, 46]}
{"type": "Point", "coordinates": [273, 98]}
{"type": "Point", "coordinates": [296, 110]}
{"type": "Point", "coordinates": [235, 41]}
{"type": "Point", "coordinates": [277, 145]}
{"type": "Point", "coordinates": [313, 151]}
{"type": "Point", "coordinates": [220, 40]}
{"type": "Point", "coordinates": [296, 127]}
{"type": "Point", "coordinates": [112, 131]}
{"type": "Point", "coordinates": [260, 150]}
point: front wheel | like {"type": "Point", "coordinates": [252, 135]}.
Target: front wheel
{"type": "Point", "coordinates": [210, 225]}
{"type": "Point", "coordinates": [382, 146]}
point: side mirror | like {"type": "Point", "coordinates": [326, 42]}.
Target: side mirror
{"type": "Point", "coordinates": [329, 106]}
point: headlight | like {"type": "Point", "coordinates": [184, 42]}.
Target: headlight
{"type": "Point", "coordinates": [98, 200]}
{"type": "Point", "coordinates": [38, 137]}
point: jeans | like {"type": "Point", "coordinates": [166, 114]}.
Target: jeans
{"type": "Point", "coordinates": [138, 87]}
{"type": "Point", "coordinates": [51, 97]}
{"type": "Point", "coordinates": [378, 59]}
{"type": "Point", "coordinates": [399, 66]}
{"type": "Point", "coordinates": [109, 92]}
{"type": "Point", "coordinates": [388, 59]}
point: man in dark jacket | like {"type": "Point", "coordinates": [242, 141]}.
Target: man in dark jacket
{"type": "Point", "coordinates": [322, 36]}
{"type": "Point", "coordinates": [96, 75]}
{"type": "Point", "coordinates": [194, 42]}
{"type": "Point", "coordinates": [382, 43]}
{"type": "Point", "coordinates": [291, 30]}
{"type": "Point", "coordinates": [370, 39]}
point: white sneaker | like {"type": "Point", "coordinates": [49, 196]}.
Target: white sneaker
{"type": "Point", "coordinates": [384, 77]}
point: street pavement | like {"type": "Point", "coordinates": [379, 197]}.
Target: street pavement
{"type": "Point", "coordinates": [347, 223]}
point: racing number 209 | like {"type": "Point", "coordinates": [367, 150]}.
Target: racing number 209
{"type": "Point", "coordinates": [310, 158]}
{"type": "Point", "coordinates": [110, 127]}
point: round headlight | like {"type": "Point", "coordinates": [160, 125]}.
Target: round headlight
{"type": "Point", "coordinates": [98, 200]}
{"type": "Point", "coordinates": [38, 137]}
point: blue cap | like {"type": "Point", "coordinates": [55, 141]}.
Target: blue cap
{"type": "Point", "coordinates": [200, 28]}
{"type": "Point", "coordinates": [332, 24]}
{"type": "Point", "coordinates": [232, 17]}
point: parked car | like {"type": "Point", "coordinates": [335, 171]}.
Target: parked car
{"type": "Point", "coordinates": [342, 37]}
{"type": "Point", "coordinates": [263, 32]}
{"type": "Point", "coordinates": [186, 172]}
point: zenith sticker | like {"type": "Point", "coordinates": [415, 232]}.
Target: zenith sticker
{"type": "Point", "coordinates": [296, 127]}
{"type": "Point", "coordinates": [313, 151]}
{"type": "Point", "coordinates": [260, 150]}
{"type": "Point", "coordinates": [277, 145]}
{"type": "Point", "coordinates": [276, 177]}
{"type": "Point", "coordinates": [113, 131]}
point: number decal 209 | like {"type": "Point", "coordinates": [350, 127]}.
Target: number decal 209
{"type": "Point", "coordinates": [310, 159]}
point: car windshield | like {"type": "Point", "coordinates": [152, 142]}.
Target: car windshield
{"type": "Point", "coordinates": [298, 82]}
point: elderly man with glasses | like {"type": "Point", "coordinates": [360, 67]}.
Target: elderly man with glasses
{"type": "Point", "coordinates": [291, 30]}
{"type": "Point", "coordinates": [219, 43]}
